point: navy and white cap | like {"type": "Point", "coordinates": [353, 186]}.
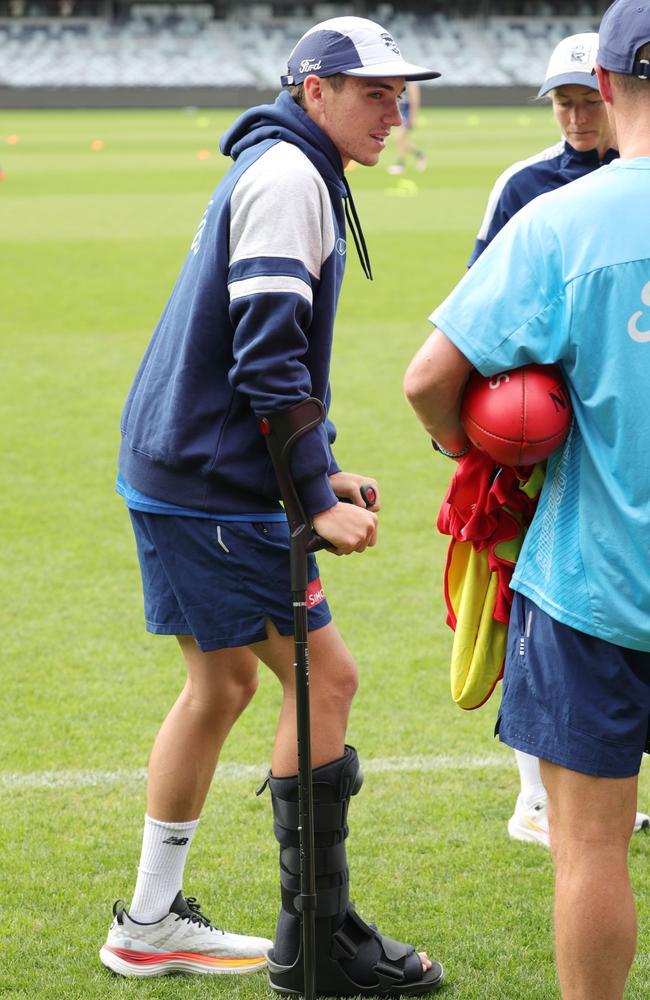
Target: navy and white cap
{"type": "Point", "coordinates": [572, 61]}
{"type": "Point", "coordinates": [625, 27]}
{"type": "Point", "coordinates": [351, 45]}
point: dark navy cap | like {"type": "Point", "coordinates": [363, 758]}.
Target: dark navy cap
{"type": "Point", "coordinates": [625, 27]}
{"type": "Point", "coordinates": [351, 45]}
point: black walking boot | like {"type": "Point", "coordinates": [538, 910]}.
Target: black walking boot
{"type": "Point", "coordinates": [352, 957]}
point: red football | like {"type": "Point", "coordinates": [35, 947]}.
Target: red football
{"type": "Point", "coordinates": [518, 417]}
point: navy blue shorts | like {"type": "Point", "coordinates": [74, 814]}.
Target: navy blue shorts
{"type": "Point", "coordinates": [219, 580]}
{"type": "Point", "coordinates": [573, 699]}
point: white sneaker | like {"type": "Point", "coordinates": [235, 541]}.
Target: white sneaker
{"type": "Point", "coordinates": [183, 941]}
{"type": "Point", "coordinates": [531, 825]}
{"type": "Point", "coordinates": [396, 168]}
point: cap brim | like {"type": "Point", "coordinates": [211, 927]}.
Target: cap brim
{"type": "Point", "coordinates": [394, 67]}
{"type": "Point", "coordinates": [583, 79]}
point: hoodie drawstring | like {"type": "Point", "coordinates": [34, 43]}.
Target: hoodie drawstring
{"type": "Point", "coordinates": [357, 232]}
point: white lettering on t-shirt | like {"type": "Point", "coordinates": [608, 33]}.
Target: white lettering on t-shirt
{"type": "Point", "coordinates": [641, 336]}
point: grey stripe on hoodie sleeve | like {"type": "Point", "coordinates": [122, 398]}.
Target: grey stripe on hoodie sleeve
{"type": "Point", "coordinates": [280, 208]}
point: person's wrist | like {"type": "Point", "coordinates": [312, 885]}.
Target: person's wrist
{"type": "Point", "coordinates": [450, 454]}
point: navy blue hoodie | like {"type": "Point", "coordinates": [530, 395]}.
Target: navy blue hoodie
{"type": "Point", "coordinates": [248, 327]}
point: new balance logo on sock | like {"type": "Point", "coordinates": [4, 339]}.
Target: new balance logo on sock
{"type": "Point", "coordinates": [177, 841]}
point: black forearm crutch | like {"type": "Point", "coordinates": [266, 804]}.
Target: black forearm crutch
{"type": "Point", "coordinates": [281, 431]}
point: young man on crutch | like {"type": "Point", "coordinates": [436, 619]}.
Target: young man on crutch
{"type": "Point", "coordinates": [247, 333]}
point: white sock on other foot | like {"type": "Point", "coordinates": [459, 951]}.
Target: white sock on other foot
{"type": "Point", "coordinates": [532, 787]}
{"type": "Point", "coordinates": [160, 872]}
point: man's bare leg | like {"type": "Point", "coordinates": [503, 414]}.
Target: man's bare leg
{"type": "Point", "coordinates": [219, 686]}
{"type": "Point", "coordinates": [591, 822]}
{"type": "Point", "coordinates": [333, 681]}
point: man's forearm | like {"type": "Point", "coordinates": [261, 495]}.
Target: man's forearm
{"type": "Point", "coordinates": [434, 385]}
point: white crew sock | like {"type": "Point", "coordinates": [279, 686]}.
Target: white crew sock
{"type": "Point", "coordinates": [532, 787]}
{"type": "Point", "coordinates": [160, 873]}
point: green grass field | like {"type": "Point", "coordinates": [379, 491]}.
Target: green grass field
{"type": "Point", "coordinates": [91, 241]}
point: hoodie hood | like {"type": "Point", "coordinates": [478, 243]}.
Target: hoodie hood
{"type": "Point", "coordinates": [286, 121]}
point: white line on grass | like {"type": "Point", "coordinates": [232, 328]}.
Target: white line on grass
{"type": "Point", "coordinates": [241, 772]}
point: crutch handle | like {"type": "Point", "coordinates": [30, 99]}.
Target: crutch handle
{"type": "Point", "coordinates": [368, 495]}
{"type": "Point", "coordinates": [281, 431]}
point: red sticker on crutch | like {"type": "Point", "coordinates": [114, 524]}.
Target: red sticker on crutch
{"type": "Point", "coordinates": [315, 593]}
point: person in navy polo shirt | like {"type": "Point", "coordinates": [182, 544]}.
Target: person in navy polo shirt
{"type": "Point", "coordinates": [587, 140]}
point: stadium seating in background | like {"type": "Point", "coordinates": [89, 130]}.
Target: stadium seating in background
{"type": "Point", "coordinates": [160, 47]}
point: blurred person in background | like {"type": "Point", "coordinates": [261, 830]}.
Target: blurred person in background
{"type": "Point", "coordinates": [409, 109]}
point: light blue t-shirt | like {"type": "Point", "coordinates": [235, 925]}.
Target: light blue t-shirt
{"type": "Point", "coordinates": [568, 280]}
{"type": "Point", "coordinates": [135, 500]}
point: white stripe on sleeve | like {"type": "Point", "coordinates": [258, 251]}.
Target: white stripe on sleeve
{"type": "Point", "coordinates": [502, 180]}
{"type": "Point", "coordinates": [246, 287]}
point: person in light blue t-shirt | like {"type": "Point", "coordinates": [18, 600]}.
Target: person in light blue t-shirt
{"type": "Point", "coordinates": [587, 143]}
{"type": "Point", "coordinates": [567, 281]}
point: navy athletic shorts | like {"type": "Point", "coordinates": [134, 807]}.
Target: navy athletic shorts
{"type": "Point", "coordinates": [219, 580]}
{"type": "Point", "coordinates": [573, 699]}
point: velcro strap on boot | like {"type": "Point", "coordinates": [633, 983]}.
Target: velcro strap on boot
{"type": "Point", "coordinates": [395, 950]}
{"type": "Point", "coordinates": [328, 860]}
{"type": "Point", "coordinates": [329, 902]}
{"type": "Point", "coordinates": [394, 965]}
{"type": "Point", "coordinates": [328, 816]}
{"type": "Point", "coordinates": [389, 975]}
{"type": "Point", "coordinates": [343, 946]}
{"type": "Point", "coordinates": [368, 929]}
